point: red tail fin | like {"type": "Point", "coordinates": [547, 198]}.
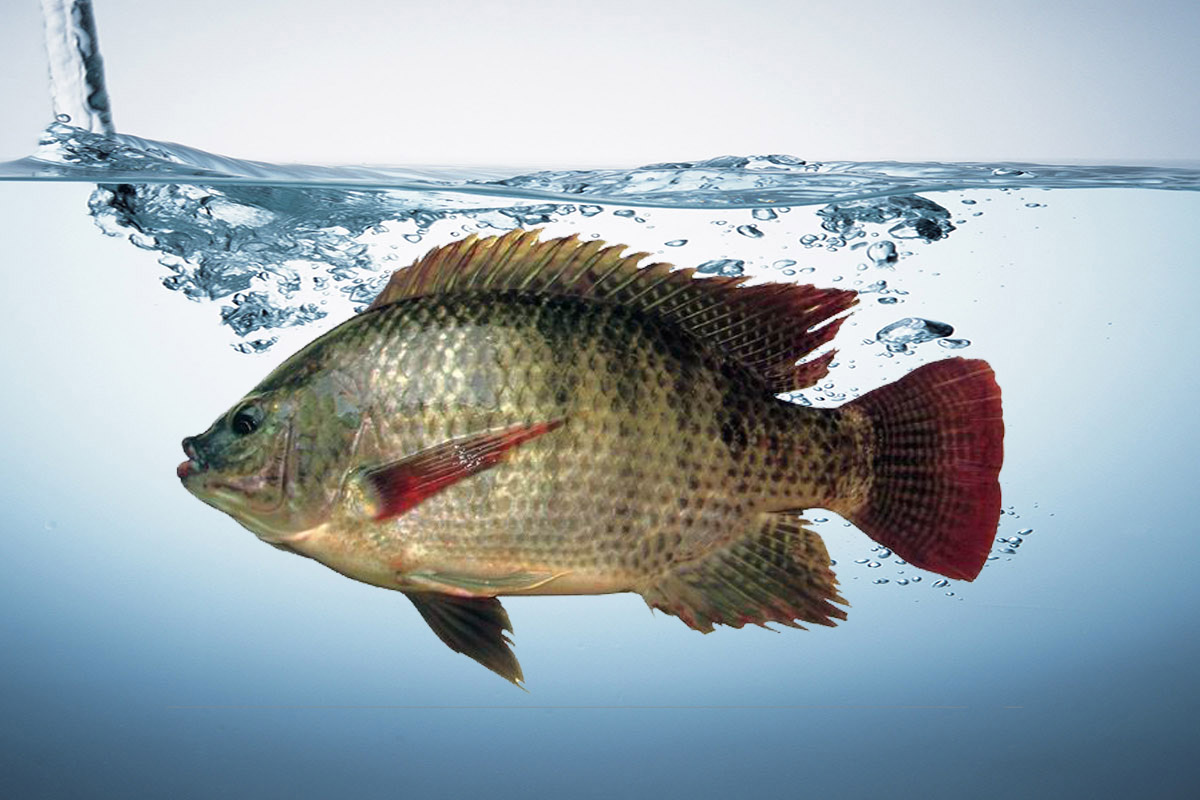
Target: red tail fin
{"type": "Point", "coordinates": [939, 444]}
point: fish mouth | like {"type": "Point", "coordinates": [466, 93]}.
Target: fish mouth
{"type": "Point", "coordinates": [192, 465]}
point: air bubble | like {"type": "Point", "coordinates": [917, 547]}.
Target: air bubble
{"type": "Point", "coordinates": [676, 243]}
{"type": "Point", "coordinates": [255, 345]}
{"type": "Point", "coordinates": [954, 344]}
{"type": "Point", "coordinates": [882, 253]}
{"type": "Point", "coordinates": [763, 214]}
{"type": "Point", "coordinates": [750, 231]}
{"type": "Point", "coordinates": [727, 267]}
{"type": "Point", "coordinates": [941, 583]}
{"type": "Point", "coordinates": [783, 262]}
{"type": "Point", "coordinates": [903, 333]}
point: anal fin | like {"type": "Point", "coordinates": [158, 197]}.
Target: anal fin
{"type": "Point", "coordinates": [473, 626]}
{"type": "Point", "coordinates": [777, 572]}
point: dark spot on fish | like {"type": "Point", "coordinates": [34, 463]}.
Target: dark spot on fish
{"type": "Point", "coordinates": [733, 434]}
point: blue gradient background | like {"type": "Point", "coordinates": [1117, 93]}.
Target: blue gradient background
{"type": "Point", "coordinates": [151, 647]}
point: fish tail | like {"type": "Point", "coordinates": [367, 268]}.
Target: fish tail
{"type": "Point", "coordinates": [937, 443]}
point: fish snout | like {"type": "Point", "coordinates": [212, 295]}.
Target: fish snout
{"type": "Point", "coordinates": [192, 465]}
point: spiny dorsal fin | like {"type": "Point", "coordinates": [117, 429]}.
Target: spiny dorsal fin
{"type": "Point", "coordinates": [767, 328]}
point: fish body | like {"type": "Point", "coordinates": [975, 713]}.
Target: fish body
{"type": "Point", "coordinates": [522, 417]}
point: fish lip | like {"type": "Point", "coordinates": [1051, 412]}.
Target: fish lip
{"type": "Point", "coordinates": [193, 464]}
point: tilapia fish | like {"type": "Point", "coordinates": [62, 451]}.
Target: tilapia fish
{"type": "Point", "coordinates": [517, 417]}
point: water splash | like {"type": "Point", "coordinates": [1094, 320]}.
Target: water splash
{"type": "Point", "coordinates": [274, 243]}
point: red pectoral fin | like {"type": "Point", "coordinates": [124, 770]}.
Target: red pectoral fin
{"type": "Point", "coordinates": [402, 485]}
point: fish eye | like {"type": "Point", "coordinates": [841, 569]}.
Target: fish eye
{"type": "Point", "coordinates": [246, 420]}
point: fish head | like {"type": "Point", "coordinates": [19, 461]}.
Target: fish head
{"type": "Point", "coordinates": [246, 464]}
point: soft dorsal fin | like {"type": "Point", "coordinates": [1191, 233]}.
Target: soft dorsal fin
{"type": "Point", "coordinates": [767, 328]}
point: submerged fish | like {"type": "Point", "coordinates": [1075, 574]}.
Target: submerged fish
{"type": "Point", "coordinates": [521, 417]}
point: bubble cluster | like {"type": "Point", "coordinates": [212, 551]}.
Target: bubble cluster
{"type": "Point", "coordinates": [907, 217]}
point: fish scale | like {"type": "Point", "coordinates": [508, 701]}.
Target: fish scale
{"type": "Point", "coordinates": [512, 416]}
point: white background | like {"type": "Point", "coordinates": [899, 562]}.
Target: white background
{"type": "Point", "coordinates": [623, 82]}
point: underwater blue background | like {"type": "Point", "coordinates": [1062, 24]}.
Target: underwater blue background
{"type": "Point", "coordinates": [149, 646]}
{"type": "Point", "coordinates": [152, 646]}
